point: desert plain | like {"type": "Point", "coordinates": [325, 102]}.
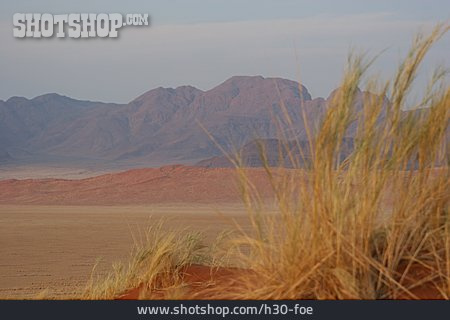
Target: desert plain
{"type": "Point", "coordinates": [54, 231]}
{"type": "Point", "coordinates": [50, 251]}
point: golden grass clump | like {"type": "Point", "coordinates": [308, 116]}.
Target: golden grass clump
{"type": "Point", "coordinates": [154, 266]}
{"type": "Point", "coordinates": [359, 227]}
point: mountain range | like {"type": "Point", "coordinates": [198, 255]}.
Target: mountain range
{"type": "Point", "coordinates": [162, 126]}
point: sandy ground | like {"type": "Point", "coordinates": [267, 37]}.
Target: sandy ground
{"type": "Point", "coordinates": [53, 249]}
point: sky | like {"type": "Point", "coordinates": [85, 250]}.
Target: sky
{"type": "Point", "coordinates": [204, 42]}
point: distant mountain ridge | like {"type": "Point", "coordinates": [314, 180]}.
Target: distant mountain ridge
{"type": "Point", "coordinates": [162, 126]}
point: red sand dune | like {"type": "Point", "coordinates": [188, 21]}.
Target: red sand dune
{"type": "Point", "coordinates": [204, 282]}
{"type": "Point", "coordinates": [139, 186]}
{"type": "Point", "coordinates": [199, 282]}
{"type": "Point", "coordinates": [416, 278]}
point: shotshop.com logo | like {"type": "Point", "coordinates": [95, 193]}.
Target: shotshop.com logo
{"type": "Point", "coordinates": [74, 25]}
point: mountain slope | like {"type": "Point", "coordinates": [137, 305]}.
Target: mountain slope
{"type": "Point", "coordinates": [272, 153]}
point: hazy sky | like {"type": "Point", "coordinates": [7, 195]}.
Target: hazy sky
{"type": "Point", "coordinates": [204, 42]}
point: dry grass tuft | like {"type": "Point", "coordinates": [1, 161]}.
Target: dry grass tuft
{"type": "Point", "coordinates": [154, 265]}
{"type": "Point", "coordinates": [361, 227]}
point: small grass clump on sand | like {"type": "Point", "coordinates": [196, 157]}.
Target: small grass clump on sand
{"type": "Point", "coordinates": [374, 225]}
{"type": "Point", "coordinates": [154, 266]}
